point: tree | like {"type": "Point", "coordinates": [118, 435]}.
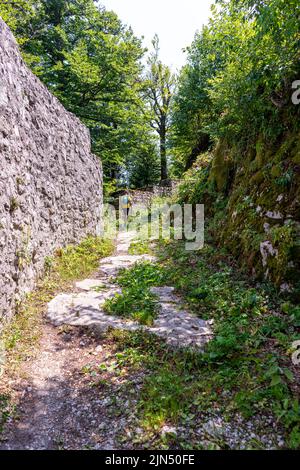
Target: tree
{"type": "Point", "coordinates": [159, 87]}
{"type": "Point", "coordinates": [188, 136]}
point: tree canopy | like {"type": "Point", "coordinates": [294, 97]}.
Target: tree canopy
{"type": "Point", "coordinates": [236, 84]}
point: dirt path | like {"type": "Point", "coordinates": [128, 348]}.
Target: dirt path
{"type": "Point", "coordinates": [59, 406]}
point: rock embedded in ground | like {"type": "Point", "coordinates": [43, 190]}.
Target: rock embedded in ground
{"type": "Point", "coordinates": [90, 285]}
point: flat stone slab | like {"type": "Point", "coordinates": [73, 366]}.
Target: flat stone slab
{"type": "Point", "coordinates": [177, 326]}
{"type": "Point", "coordinates": [124, 241]}
{"type": "Point", "coordinates": [85, 310]}
{"type": "Point", "coordinates": [166, 294]}
{"type": "Point", "coordinates": [181, 328]}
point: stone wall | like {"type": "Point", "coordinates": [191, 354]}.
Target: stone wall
{"type": "Point", "coordinates": [146, 195]}
{"type": "Point", "coordinates": [50, 183]}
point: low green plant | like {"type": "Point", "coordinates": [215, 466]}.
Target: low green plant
{"type": "Point", "coordinates": [139, 248]}
{"type": "Point", "coordinates": [134, 303]}
{"type": "Point", "coordinates": [142, 273]}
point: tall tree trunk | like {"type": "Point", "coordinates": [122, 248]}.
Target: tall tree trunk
{"type": "Point", "coordinates": [163, 154]}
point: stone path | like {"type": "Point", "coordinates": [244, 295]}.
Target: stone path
{"type": "Point", "coordinates": [84, 307]}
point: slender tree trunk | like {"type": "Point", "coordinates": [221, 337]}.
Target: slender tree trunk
{"type": "Point", "coordinates": [163, 154]}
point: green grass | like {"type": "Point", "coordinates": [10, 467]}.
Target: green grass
{"type": "Point", "coordinates": [143, 273]}
{"type": "Point", "coordinates": [78, 261]}
{"type": "Point", "coordinates": [136, 301]}
{"type": "Point", "coordinates": [139, 247]}
{"type": "Point", "coordinates": [170, 389]}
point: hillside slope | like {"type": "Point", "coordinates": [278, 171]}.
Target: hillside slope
{"type": "Point", "coordinates": [252, 200]}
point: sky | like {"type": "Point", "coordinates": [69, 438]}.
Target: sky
{"type": "Point", "coordinates": [175, 22]}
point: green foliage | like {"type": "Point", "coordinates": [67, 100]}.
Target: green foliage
{"type": "Point", "coordinates": [237, 83]}
{"type": "Point", "coordinates": [145, 273]}
{"type": "Point", "coordinates": [239, 191]}
{"type": "Point", "coordinates": [165, 396]}
{"type": "Point", "coordinates": [236, 88]}
{"type": "Point", "coordinates": [197, 186]}
{"type": "Point", "coordinates": [92, 63]}
{"type": "Point", "coordinates": [134, 303]}
{"type": "Point", "coordinates": [158, 90]}
{"type": "Point", "coordinates": [143, 166]}
{"type": "Point", "coordinates": [136, 300]}
{"type": "Point", "coordinates": [17, 14]}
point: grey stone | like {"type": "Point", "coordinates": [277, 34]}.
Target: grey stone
{"type": "Point", "coordinates": [50, 183]}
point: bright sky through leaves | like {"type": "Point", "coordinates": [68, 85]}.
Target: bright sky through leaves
{"type": "Point", "coordinates": [175, 22]}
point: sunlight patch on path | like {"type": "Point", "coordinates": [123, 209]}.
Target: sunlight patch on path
{"type": "Point", "coordinates": [177, 326]}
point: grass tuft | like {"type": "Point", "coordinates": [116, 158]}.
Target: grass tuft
{"type": "Point", "coordinates": [78, 261]}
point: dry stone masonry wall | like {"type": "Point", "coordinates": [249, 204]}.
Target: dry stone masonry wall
{"type": "Point", "coordinates": [50, 183]}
